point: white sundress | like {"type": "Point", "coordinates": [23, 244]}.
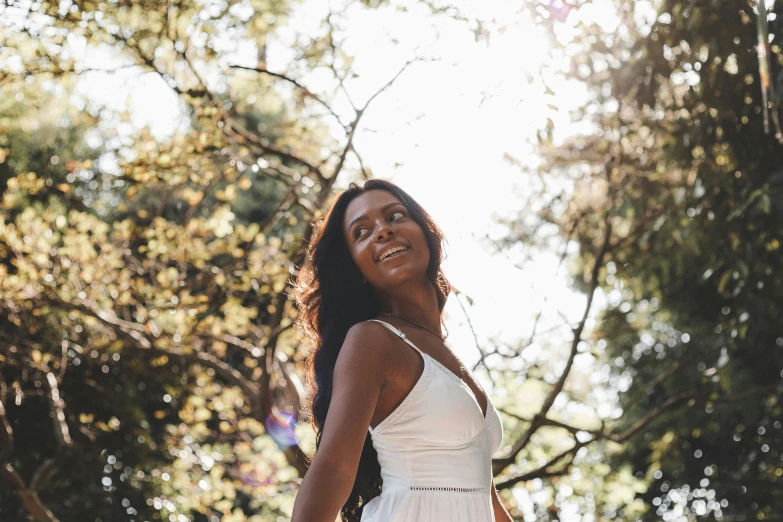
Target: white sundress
{"type": "Point", "coordinates": [435, 451]}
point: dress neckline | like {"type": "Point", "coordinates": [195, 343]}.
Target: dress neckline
{"type": "Point", "coordinates": [463, 384]}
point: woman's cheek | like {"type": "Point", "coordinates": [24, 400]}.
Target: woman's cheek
{"type": "Point", "coordinates": [367, 255]}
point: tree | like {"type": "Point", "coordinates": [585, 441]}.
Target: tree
{"type": "Point", "coordinates": [674, 199]}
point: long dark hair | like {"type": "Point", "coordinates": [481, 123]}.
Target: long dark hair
{"type": "Point", "coordinates": [331, 298]}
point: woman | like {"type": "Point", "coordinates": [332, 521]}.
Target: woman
{"type": "Point", "coordinates": [370, 296]}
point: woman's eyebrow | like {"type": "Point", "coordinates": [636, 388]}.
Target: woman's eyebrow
{"type": "Point", "coordinates": [364, 216]}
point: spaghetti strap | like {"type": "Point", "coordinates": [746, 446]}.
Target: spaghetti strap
{"type": "Point", "coordinates": [399, 334]}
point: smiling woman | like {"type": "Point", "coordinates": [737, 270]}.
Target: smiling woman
{"type": "Point", "coordinates": [405, 245]}
{"type": "Point", "coordinates": [410, 433]}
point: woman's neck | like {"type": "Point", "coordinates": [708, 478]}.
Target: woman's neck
{"type": "Point", "coordinates": [420, 307]}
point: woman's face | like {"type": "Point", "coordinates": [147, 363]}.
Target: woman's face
{"type": "Point", "coordinates": [376, 221]}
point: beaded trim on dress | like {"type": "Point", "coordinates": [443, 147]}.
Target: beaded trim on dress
{"type": "Point", "coordinates": [449, 488]}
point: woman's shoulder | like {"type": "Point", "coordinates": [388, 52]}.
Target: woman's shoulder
{"type": "Point", "coordinates": [369, 329]}
{"type": "Point", "coordinates": [372, 335]}
{"type": "Point", "coordinates": [366, 360]}
{"type": "Point", "coordinates": [370, 342]}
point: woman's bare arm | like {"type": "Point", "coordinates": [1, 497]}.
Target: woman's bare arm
{"type": "Point", "coordinates": [359, 375]}
{"type": "Point", "coordinates": [501, 515]}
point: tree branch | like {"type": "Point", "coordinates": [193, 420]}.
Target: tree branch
{"type": "Point", "coordinates": [296, 84]}
{"type": "Point", "coordinates": [388, 84]}
{"type": "Point", "coordinates": [257, 394]}
{"type": "Point", "coordinates": [57, 411]}
{"type": "Point", "coordinates": [500, 464]}
{"type": "Point", "coordinates": [682, 398]}
{"type": "Point", "coordinates": [544, 470]}
{"type": "Point", "coordinates": [482, 353]}
{"type": "Point", "coordinates": [359, 113]}
{"type": "Point", "coordinates": [364, 171]}
{"type": "Point", "coordinates": [6, 433]}
{"type": "Point", "coordinates": [28, 496]}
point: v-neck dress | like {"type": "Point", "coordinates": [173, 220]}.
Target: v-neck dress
{"type": "Point", "coordinates": [435, 451]}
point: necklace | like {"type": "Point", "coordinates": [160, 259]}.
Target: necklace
{"type": "Point", "coordinates": [441, 336]}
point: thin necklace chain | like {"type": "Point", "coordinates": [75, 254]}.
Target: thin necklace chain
{"type": "Point", "coordinates": [462, 369]}
{"type": "Point", "coordinates": [441, 336]}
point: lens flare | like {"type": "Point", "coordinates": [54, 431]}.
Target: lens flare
{"type": "Point", "coordinates": [281, 428]}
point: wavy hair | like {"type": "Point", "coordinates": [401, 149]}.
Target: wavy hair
{"type": "Point", "coordinates": [331, 298]}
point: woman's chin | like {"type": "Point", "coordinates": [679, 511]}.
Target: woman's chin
{"type": "Point", "coordinates": [398, 275]}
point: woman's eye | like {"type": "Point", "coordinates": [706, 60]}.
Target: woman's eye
{"type": "Point", "coordinates": [359, 230]}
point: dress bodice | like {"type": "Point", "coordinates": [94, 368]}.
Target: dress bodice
{"type": "Point", "coordinates": [437, 440]}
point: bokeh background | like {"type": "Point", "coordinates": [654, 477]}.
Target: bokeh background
{"type": "Point", "coordinates": [609, 175]}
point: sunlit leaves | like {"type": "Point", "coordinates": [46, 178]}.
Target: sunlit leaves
{"type": "Point", "coordinates": [176, 281]}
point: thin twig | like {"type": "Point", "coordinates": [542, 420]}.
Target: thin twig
{"type": "Point", "coordinates": [296, 84]}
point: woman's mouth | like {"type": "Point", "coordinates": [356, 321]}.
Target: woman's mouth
{"type": "Point", "coordinates": [395, 254]}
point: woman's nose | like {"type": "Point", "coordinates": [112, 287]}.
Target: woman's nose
{"type": "Point", "coordinates": [384, 230]}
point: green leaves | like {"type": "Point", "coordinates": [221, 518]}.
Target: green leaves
{"type": "Point", "coordinates": [757, 197]}
{"type": "Point", "coordinates": [678, 159]}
